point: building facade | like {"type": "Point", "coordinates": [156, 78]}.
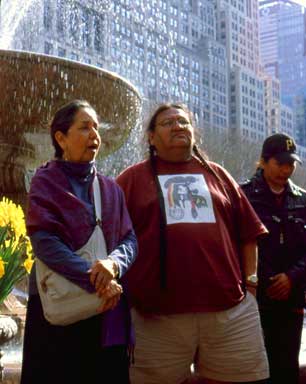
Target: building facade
{"type": "Point", "coordinates": [278, 116]}
{"type": "Point", "coordinates": [247, 104]}
{"type": "Point", "coordinates": [237, 29]}
{"type": "Point", "coordinates": [168, 49]}
{"type": "Point", "coordinates": [194, 51]}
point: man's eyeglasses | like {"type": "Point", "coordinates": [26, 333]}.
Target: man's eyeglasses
{"type": "Point", "coordinates": [169, 123]}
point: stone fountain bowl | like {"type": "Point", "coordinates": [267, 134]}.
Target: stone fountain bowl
{"type": "Point", "coordinates": [33, 87]}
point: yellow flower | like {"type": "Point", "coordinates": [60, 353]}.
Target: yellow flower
{"type": "Point", "coordinates": [12, 215]}
{"type": "Point", "coordinates": [29, 249]}
{"type": "Point", "coordinates": [2, 269]}
{"type": "Point", "coordinates": [16, 258]}
{"type": "Point", "coordinates": [28, 264]}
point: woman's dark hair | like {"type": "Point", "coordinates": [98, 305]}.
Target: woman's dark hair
{"type": "Point", "coordinates": [199, 155]}
{"type": "Point", "coordinates": [63, 119]}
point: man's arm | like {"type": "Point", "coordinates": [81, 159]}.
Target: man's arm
{"type": "Point", "coordinates": [249, 261]}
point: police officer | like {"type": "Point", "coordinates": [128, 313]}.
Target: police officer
{"type": "Point", "coordinates": [281, 205]}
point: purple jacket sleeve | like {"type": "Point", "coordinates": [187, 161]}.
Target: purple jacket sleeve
{"type": "Point", "coordinates": [125, 253]}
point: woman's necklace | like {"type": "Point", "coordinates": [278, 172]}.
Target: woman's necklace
{"type": "Point", "coordinates": [278, 192]}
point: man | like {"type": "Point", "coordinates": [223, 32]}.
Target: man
{"type": "Point", "coordinates": [197, 239]}
{"type": "Point", "coordinates": [281, 205]}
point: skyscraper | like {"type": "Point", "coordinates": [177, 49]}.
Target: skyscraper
{"type": "Point", "coordinates": [237, 29]}
{"type": "Point", "coordinates": [283, 53]}
{"type": "Point", "coordinates": [282, 32]}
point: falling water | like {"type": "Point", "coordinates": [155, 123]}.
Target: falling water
{"type": "Point", "coordinates": [11, 14]}
{"type": "Point", "coordinates": [22, 22]}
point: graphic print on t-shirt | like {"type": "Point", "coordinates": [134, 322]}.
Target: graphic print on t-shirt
{"type": "Point", "coordinates": [187, 199]}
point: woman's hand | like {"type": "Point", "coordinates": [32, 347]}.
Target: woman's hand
{"type": "Point", "coordinates": [280, 288]}
{"type": "Point", "coordinates": [102, 272]}
{"type": "Point", "coordinates": [110, 295]}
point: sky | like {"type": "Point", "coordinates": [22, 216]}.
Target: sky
{"type": "Point", "coordinates": [302, 2]}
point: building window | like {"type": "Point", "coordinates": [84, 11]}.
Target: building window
{"type": "Point", "coordinates": [85, 20]}
{"type": "Point", "coordinates": [98, 27]}
{"type": "Point", "coordinates": [48, 48]}
{"type": "Point", "coordinates": [74, 24]}
{"type": "Point", "coordinates": [60, 14]}
{"type": "Point", "coordinates": [47, 15]}
{"type": "Point", "coordinates": [74, 56]}
{"type": "Point", "coordinates": [61, 52]}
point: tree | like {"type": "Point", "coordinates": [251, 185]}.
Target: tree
{"type": "Point", "coordinates": [233, 152]}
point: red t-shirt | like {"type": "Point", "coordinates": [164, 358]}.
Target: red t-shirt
{"type": "Point", "coordinates": [202, 258]}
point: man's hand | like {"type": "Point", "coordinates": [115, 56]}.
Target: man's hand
{"type": "Point", "coordinates": [251, 289]}
{"type": "Point", "coordinates": [102, 272]}
{"type": "Point", "coordinates": [280, 288]}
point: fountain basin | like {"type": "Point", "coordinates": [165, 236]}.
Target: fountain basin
{"type": "Point", "coordinates": [32, 88]}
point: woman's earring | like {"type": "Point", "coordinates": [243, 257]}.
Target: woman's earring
{"type": "Point", "coordinates": [65, 156]}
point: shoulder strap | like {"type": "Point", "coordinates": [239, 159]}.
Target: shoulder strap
{"type": "Point", "coordinates": [97, 199]}
{"type": "Point", "coordinates": [162, 232]}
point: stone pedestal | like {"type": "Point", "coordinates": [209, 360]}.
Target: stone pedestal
{"type": "Point", "coordinates": [8, 330]}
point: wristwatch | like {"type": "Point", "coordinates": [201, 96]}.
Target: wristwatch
{"type": "Point", "coordinates": [252, 280]}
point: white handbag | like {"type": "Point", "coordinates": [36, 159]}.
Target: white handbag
{"type": "Point", "coordinates": [64, 302]}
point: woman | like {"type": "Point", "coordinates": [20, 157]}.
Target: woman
{"type": "Point", "coordinates": [197, 244]}
{"type": "Point", "coordinates": [282, 258]}
{"type": "Point", "coordinates": [60, 221]}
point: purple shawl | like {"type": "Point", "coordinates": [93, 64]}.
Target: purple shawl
{"type": "Point", "coordinates": [54, 208]}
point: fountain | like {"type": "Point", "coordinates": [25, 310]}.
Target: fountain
{"type": "Point", "coordinates": [32, 87]}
